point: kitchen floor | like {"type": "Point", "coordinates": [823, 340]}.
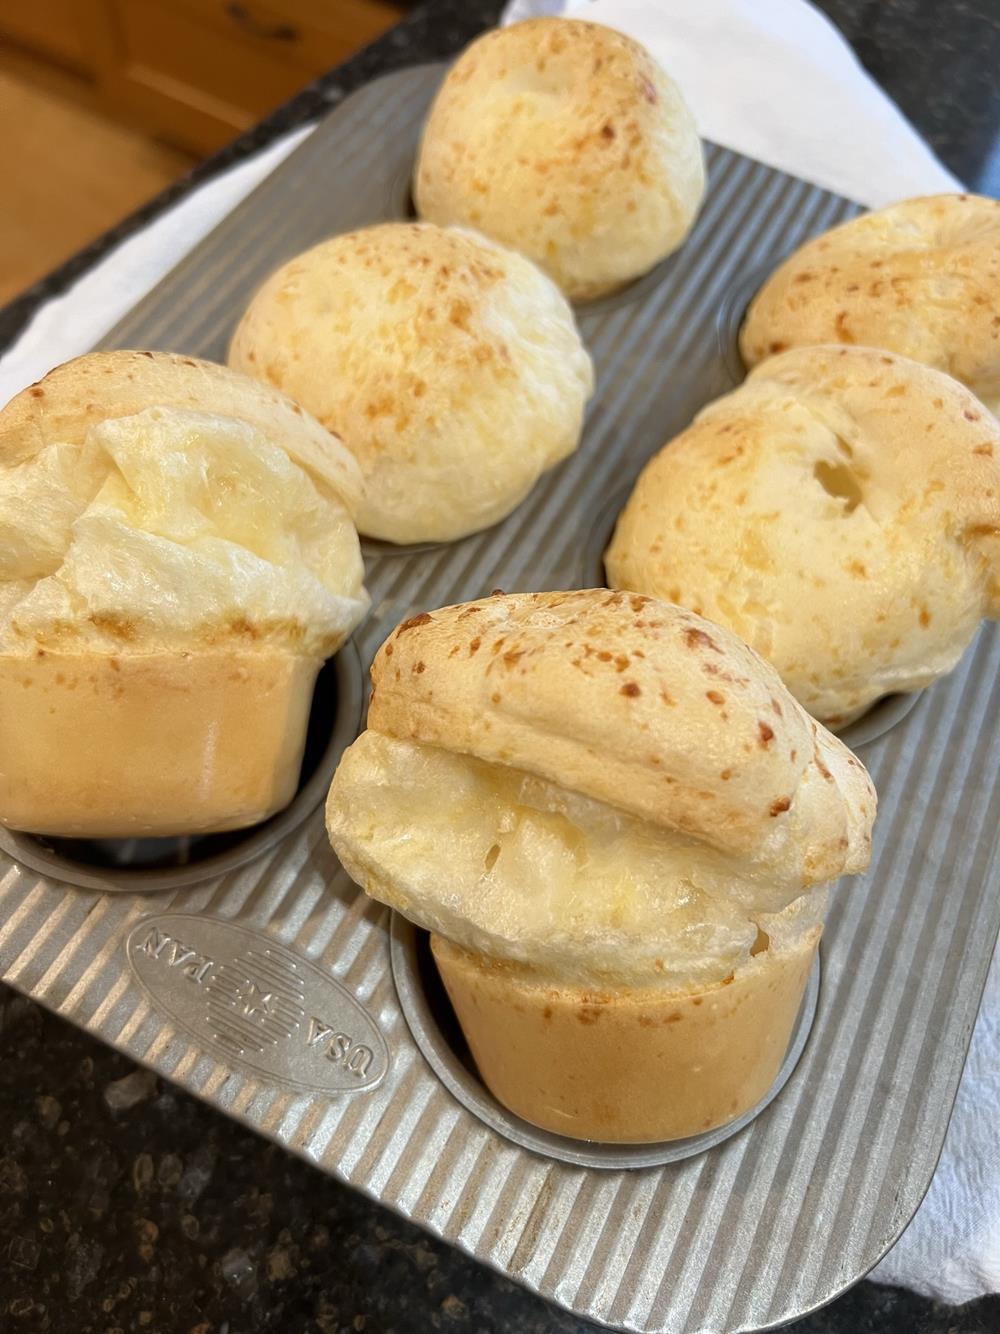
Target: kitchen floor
{"type": "Point", "coordinates": [76, 172]}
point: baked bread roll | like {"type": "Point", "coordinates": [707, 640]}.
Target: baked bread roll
{"type": "Point", "coordinates": [177, 558]}
{"type": "Point", "coordinates": [566, 141]}
{"type": "Point", "coordinates": [921, 278]}
{"type": "Point", "coordinates": [604, 809]}
{"type": "Point", "coordinates": [451, 368]}
{"type": "Point", "coordinates": [840, 512]}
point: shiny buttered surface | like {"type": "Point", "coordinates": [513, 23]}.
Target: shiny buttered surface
{"type": "Point", "coordinates": [617, 825]}
{"type": "Point", "coordinates": [840, 512]}
{"type": "Point", "coordinates": [601, 786]}
{"type": "Point", "coordinates": [566, 141]}
{"type": "Point", "coordinates": [450, 367]}
{"type": "Point", "coordinates": [921, 278]}
{"type": "Point", "coordinates": [177, 557]}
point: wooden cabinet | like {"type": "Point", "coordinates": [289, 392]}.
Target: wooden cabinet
{"type": "Point", "coordinates": [59, 29]}
{"type": "Point", "coordinates": [196, 72]}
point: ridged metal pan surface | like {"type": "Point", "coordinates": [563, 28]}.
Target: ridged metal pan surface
{"type": "Point", "coordinates": [804, 1200]}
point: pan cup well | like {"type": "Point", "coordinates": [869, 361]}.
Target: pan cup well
{"type": "Point", "coordinates": [874, 723]}
{"type": "Point", "coordinates": [731, 314]}
{"type": "Point", "coordinates": [437, 1032]}
{"type": "Point", "coordinates": [150, 864]}
{"type": "Point", "coordinates": [400, 205]}
{"type": "Point", "coordinates": [375, 548]}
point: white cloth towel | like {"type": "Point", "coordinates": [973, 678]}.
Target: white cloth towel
{"type": "Point", "coordinates": [814, 113]}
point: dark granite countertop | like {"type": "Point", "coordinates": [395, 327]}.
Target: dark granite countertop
{"type": "Point", "coordinates": [125, 1204]}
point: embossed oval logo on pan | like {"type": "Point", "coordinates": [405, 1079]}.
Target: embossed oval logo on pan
{"type": "Point", "coordinates": [256, 1004]}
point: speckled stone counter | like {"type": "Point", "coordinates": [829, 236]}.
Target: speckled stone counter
{"type": "Point", "coordinates": [125, 1205]}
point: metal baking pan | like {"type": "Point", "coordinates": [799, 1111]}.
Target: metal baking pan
{"type": "Point", "coordinates": [154, 948]}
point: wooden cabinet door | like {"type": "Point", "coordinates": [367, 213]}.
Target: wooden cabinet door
{"type": "Point", "coordinates": [197, 72]}
{"type": "Point", "coordinates": [60, 30]}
